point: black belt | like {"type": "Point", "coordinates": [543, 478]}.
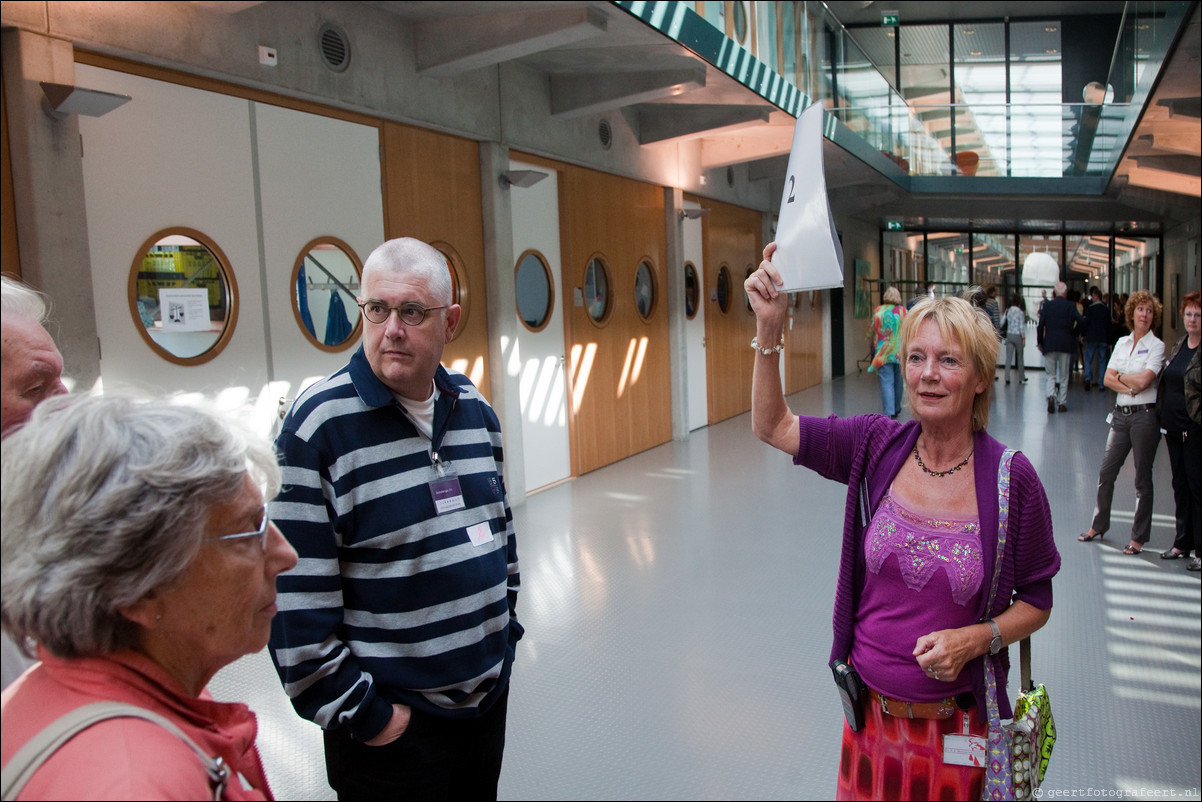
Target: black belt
{"type": "Point", "coordinates": [1127, 410]}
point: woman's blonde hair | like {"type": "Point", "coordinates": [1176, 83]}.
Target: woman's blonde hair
{"type": "Point", "coordinates": [892, 296]}
{"type": "Point", "coordinates": [958, 321]}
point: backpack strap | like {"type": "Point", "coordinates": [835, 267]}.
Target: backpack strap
{"type": "Point", "coordinates": [40, 747]}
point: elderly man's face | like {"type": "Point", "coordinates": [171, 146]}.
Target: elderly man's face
{"type": "Point", "coordinates": [404, 357]}
{"type": "Point", "coordinates": [32, 370]}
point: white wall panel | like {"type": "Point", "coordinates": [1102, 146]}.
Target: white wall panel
{"type": "Point", "coordinates": [177, 156]}
{"type": "Point", "coordinates": [172, 156]}
{"type": "Point", "coordinates": [318, 176]}
{"type": "Point", "coordinates": [540, 355]}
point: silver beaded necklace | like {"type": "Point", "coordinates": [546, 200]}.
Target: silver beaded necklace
{"type": "Point", "coordinates": [948, 472]}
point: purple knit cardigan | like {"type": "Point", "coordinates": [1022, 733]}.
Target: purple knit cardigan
{"type": "Point", "coordinates": [865, 453]}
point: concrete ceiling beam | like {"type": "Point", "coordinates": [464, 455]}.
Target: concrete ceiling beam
{"type": "Point", "coordinates": [455, 45]}
{"type": "Point", "coordinates": [578, 95]}
{"type": "Point", "coordinates": [1185, 144]}
{"type": "Point", "coordinates": [678, 121]}
{"type": "Point", "coordinates": [1186, 165]}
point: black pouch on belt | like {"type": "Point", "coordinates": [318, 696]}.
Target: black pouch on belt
{"type": "Point", "coordinates": [851, 692]}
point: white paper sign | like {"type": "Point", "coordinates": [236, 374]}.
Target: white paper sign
{"type": "Point", "coordinates": [808, 254]}
{"type": "Point", "coordinates": [185, 309]}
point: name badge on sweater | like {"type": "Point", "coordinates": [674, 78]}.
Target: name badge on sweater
{"type": "Point", "coordinates": [445, 490]}
{"type": "Point", "coordinates": [447, 495]}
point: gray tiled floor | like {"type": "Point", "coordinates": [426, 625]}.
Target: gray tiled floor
{"type": "Point", "coordinates": [677, 607]}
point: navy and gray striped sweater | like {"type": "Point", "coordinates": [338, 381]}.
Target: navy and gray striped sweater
{"type": "Point", "coordinates": [391, 602]}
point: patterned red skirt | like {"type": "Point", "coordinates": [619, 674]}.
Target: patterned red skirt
{"type": "Point", "coordinates": [897, 758]}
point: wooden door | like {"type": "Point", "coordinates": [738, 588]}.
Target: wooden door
{"type": "Point", "coordinates": [732, 248]}
{"type": "Point", "coordinates": [432, 192]}
{"type": "Point", "coordinates": [619, 381]}
{"type": "Point", "coordinates": [804, 342]}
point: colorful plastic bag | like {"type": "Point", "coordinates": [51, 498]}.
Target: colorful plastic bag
{"type": "Point", "coordinates": [1020, 749]}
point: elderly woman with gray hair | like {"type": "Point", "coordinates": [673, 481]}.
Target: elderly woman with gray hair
{"type": "Point", "coordinates": [138, 557]}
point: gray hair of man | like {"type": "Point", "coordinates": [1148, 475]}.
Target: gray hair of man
{"type": "Point", "coordinates": [105, 499]}
{"type": "Point", "coordinates": [1061, 289]}
{"type": "Point", "coordinates": [414, 258]}
{"type": "Point", "coordinates": [17, 299]}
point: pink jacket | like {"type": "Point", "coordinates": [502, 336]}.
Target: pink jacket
{"type": "Point", "coordinates": [126, 758]}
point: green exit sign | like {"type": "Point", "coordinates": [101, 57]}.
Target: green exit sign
{"type": "Point", "coordinates": [891, 18]}
{"type": "Point", "coordinates": [893, 225]}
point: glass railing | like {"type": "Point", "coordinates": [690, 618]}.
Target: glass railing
{"type": "Point", "coordinates": [794, 54]}
{"type": "Point", "coordinates": [1002, 140]}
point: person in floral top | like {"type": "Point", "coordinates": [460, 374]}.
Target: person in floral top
{"type": "Point", "coordinates": [886, 339]}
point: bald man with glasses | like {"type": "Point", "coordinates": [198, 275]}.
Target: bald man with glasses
{"type": "Point", "coordinates": [398, 628]}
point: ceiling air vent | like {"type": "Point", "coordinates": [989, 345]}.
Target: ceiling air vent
{"type": "Point", "coordinates": [334, 47]}
{"type": "Point", "coordinates": [606, 135]}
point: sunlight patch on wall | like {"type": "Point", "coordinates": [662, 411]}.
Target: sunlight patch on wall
{"type": "Point", "coordinates": [626, 368]}
{"type": "Point", "coordinates": [582, 367]}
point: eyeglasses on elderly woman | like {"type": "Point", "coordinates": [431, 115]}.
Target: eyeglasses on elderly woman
{"type": "Point", "coordinates": [260, 533]}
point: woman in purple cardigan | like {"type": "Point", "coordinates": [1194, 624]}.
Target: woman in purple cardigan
{"type": "Point", "coordinates": [912, 610]}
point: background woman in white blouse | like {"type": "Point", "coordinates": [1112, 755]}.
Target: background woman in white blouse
{"type": "Point", "coordinates": [1134, 424]}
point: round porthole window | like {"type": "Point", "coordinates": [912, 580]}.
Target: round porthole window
{"type": "Point", "coordinates": [535, 293]}
{"type": "Point", "coordinates": [459, 290]}
{"type": "Point", "coordinates": [692, 290]}
{"type": "Point", "coordinates": [596, 290]}
{"type": "Point", "coordinates": [644, 290]}
{"type": "Point", "coordinates": [724, 289]}
{"type": "Point", "coordinates": [183, 296]}
{"type": "Point", "coordinates": [325, 290]}
{"type": "Point", "coordinates": [740, 22]}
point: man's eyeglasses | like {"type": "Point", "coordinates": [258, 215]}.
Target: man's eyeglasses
{"type": "Point", "coordinates": [411, 313]}
{"type": "Point", "coordinates": [260, 533]}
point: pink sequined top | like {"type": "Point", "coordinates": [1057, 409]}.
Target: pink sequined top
{"type": "Point", "coordinates": [923, 575]}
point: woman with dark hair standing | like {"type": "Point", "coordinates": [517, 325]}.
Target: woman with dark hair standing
{"type": "Point", "coordinates": [1182, 434]}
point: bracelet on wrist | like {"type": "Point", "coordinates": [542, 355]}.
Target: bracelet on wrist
{"type": "Point", "coordinates": [778, 348]}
